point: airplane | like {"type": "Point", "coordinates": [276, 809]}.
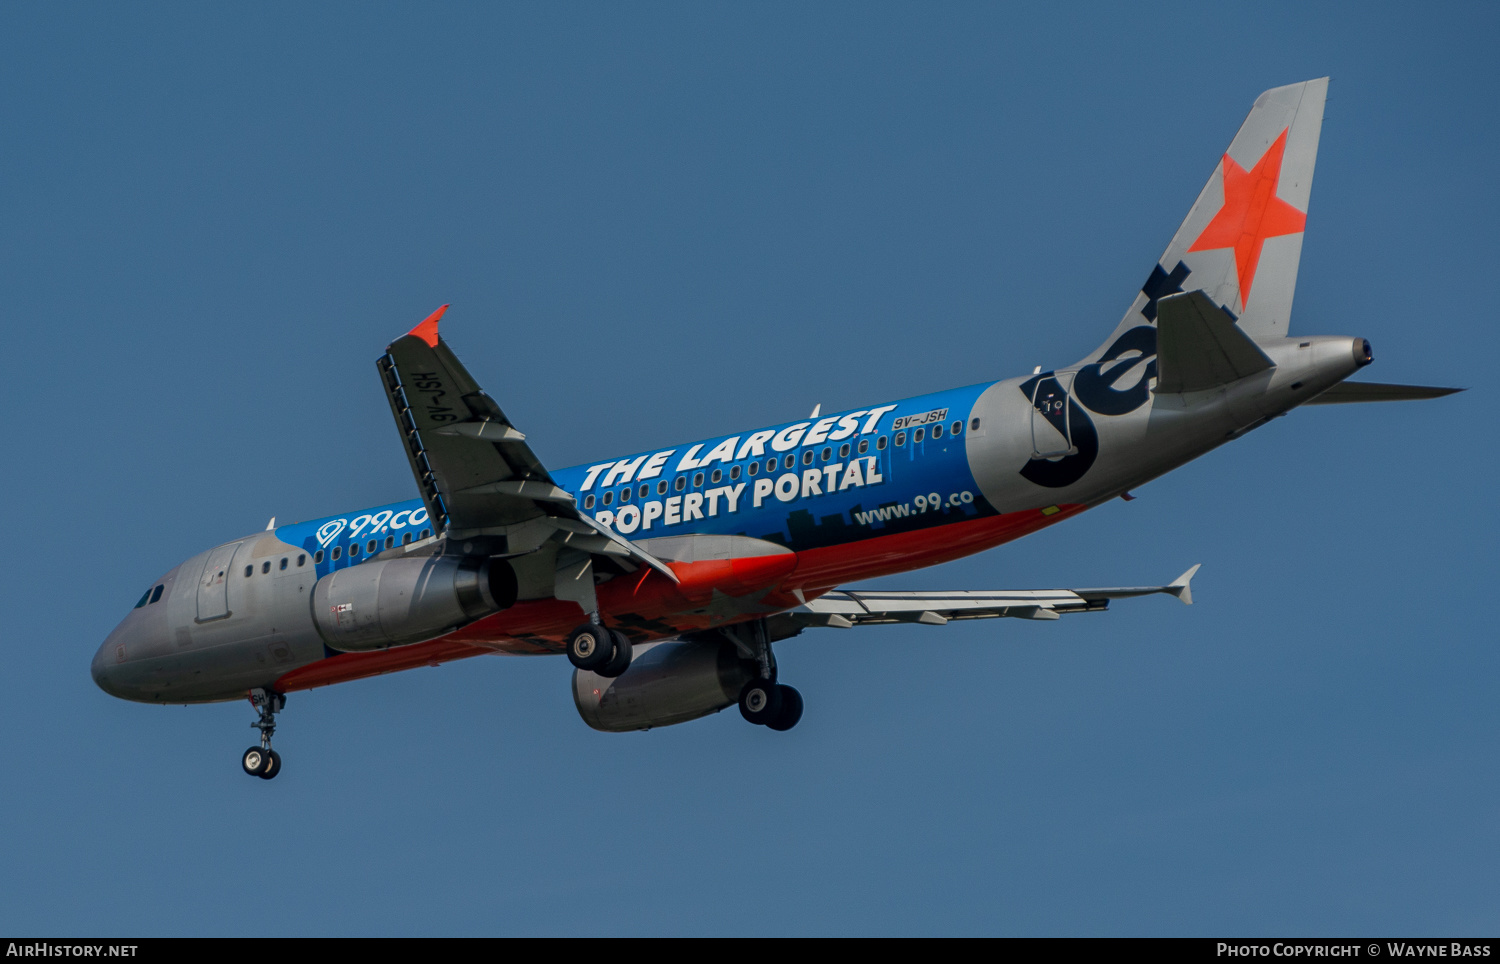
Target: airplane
{"type": "Point", "coordinates": [667, 576]}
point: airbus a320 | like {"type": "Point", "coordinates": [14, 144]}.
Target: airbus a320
{"type": "Point", "coordinates": [668, 576]}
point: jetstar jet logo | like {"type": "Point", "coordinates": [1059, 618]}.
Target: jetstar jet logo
{"type": "Point", "coordinates": [1251, 213]}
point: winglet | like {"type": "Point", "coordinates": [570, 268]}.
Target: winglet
{"type": "Point", "coordinates": [1182, 586]}
{"type": "Point", "coordinates": [428, 329]}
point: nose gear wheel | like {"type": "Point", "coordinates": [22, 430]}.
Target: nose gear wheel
{"type": "Point", "coordinates": [262, 761]}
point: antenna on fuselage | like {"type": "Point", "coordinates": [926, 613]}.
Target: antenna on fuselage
{"type": "Point", "coordinates": [272, 524]}
{"type": "Point", "coordinates": [816, 409]}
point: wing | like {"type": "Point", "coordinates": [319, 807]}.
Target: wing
{"type": "Point", "coordinates": [846, 608]}
{"type": "Point", "coordinates": [478, 477]}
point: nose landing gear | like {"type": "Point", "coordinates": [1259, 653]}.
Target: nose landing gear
{"type": "Point", "coordinates": [262, 761]}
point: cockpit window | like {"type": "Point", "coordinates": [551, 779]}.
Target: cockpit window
{"type": "Point", "coordinates": [156, 593]}
{"type": "Point", "coordinates": [144, 596]}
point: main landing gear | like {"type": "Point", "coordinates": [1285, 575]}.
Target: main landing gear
{"type": "Point", "coordinates": [262, 761]}
{"type": "Point", "coordinates": [599, 650]}
{"type": "Point", "coordinates": [763, 701]}
{"type": "Point", "coordinates": [766, 702]}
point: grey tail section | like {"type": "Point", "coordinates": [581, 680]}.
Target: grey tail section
{"type": "Point", "coordinates": [1241, 242]}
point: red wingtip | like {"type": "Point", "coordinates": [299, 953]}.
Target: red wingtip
{"type": "Point", "coordinates": [427, 330]}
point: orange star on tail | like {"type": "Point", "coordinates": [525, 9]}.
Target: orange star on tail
{"type": "Point", "coordinates": [1251, 213]}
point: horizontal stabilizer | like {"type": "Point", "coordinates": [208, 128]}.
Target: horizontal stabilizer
{"type": "Point", "coordinates": [1348, 392]}
{"type": "Point", "coordinates": [1199, 347]}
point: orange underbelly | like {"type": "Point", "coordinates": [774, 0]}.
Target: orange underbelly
{"type": "Point", "coordinates": [712, 593]}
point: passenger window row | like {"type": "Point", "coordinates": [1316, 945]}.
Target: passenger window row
{"type": "Point", "coordinates": [936, 431]}
{"type": "Point", "coordinates": [265, 567]}
{"type": "Point", "coordinates": [751, 470]}
{"type": "Point", "coordinates": [371, 547]}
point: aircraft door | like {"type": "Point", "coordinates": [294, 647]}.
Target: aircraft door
{"type": "Point", "coordinates": [1051, 423]}
{"type": "Point", "coordinates": [213, 584]}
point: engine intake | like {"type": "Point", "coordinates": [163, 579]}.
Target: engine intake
{"type": "Point", "coordinates": [667, 682]}
{"type": "Point", "coordinates": [396, 602]}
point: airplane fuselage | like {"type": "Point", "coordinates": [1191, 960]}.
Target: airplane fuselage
{"type": "Point", "coordinates": [752, 524]}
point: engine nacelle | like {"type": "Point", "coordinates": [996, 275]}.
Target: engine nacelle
{"type": "Point", "coordinates": [395, 602]}
{"type": "Point", "coordinates": [667, 682]}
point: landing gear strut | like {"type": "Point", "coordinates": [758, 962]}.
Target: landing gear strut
{"type": "Point", "coordinates": [764, 701]}
{"type": "Point", "coordinates": [262, 761]}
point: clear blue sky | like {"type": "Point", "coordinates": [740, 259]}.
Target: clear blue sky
{"type": "Point", "coordinates": [661, 222]}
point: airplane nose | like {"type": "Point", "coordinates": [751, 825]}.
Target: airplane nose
{"type": "Point", "coordinates": [112, 667]}
{"type": "Point", "coordinates": [105, 660]}
{"type": "Point", "coordinates": [129, 663]}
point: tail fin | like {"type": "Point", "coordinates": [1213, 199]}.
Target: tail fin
{"type": "Point", "coordinates": [1241, 242]}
